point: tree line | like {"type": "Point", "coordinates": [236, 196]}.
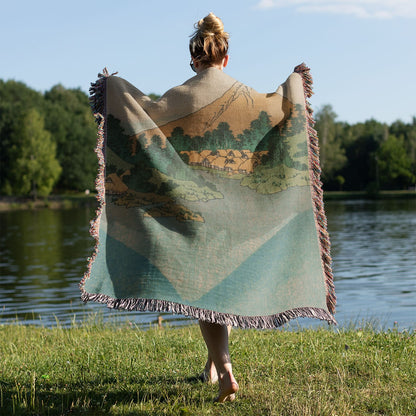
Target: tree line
{"type": "Point", "coordinates": [47, 143]}
{"type": "Point", "coordinates": [368, 156]}
{"type": "Point", "coordinates": [47, 140]}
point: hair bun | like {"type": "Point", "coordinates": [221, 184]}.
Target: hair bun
{"type": "Point", "coordinates": [211, 25]}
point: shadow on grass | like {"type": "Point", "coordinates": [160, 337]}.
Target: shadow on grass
{"type": "Point", "coordinates": [98, 397]}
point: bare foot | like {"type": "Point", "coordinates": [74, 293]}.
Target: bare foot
{"type": "Point", "coordinates": [209, 375]}
{"type": "Point", "coordinates": [228, 388]}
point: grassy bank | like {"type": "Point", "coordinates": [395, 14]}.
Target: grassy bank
{"type": "Point", "coordinates": [103, 370]}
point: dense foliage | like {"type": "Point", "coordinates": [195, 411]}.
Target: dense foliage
{"type": "Point", "coordinates": [366, 156]}
{"type": "Point", "coordinates": [47, 142]}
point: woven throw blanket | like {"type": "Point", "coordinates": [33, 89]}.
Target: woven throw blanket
{"type": "Point", "coordinates": [210, 202]}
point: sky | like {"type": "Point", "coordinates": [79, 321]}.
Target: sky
{"type": "Point", "coordinates": [361, 53]}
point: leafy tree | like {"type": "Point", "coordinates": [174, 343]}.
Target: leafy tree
{"type": "Point", "coordinates": [340, 180]}
{"type": "Point", "coordinates": [394, 164]}
{"type": "Point", "coordinates": [153, 96]}
{"type": "Point", "coordinates": [332, 154]}
{"type": "Point", "coordinates": [15, 99]}
{"type": "Point", "coordinates": [7, 122]}
{"type": "Point", "coordinates": [35, 168]}
{"type": "Point", "coordinates": [18, 93]}
{"type": "Point", "coordinates": [408, 133]}
{"type": "Point", "coordinates": [69, 119]}
{"type": "Point", "coordinates": [363, 140]}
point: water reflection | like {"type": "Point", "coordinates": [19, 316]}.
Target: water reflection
{"type": "Point", "coordinates": [43, 257]}
{"type": "Point", "coordinates": [374, 254]}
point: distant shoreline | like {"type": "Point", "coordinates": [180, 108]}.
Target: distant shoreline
{"type": "Point", "coordinates": [341, 195]}
{"type": "Point", "coordinates": [61, 201]}
{"type": "Point", "coordinates": [67, 201]}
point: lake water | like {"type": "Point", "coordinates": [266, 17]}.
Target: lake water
{"type": "Point", "coordinates": [43, 257]}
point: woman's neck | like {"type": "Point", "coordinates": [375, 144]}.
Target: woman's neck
{"type": "Point", "coordinates": [221, 65]}
{"type": "Point", "coordinates": [204, 67]}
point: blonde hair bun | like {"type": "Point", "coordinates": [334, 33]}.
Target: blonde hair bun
{"type": "Point", "coordinates": [211, 25]}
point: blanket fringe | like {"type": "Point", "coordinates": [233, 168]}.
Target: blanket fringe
{"type": "Point", "coordinates": [98, 105]}
{"type": "Point", "coordinates": [317, 192]}
{"type": "Point", "coordinates": [258, 322]}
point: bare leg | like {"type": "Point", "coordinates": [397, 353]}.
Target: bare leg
{"type": "Point", "coordinates": [209, 374]}
{"type": "Point", "coordinates": [216, 339]}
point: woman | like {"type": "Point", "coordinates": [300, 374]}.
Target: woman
{"type": "Point", "coordinates": [211, 203]}
{"type": "Point", "coordinates": [209, 49]}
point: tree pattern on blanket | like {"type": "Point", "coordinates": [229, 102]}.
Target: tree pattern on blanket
{"type": "Point", "coordinates": [267, 159]}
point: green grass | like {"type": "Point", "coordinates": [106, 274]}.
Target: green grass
{"type": "Point", "coordinates": [103, 369]}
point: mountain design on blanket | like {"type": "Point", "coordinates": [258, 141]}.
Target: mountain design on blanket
{"type": "Point", "coordinates": [207, 203]}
